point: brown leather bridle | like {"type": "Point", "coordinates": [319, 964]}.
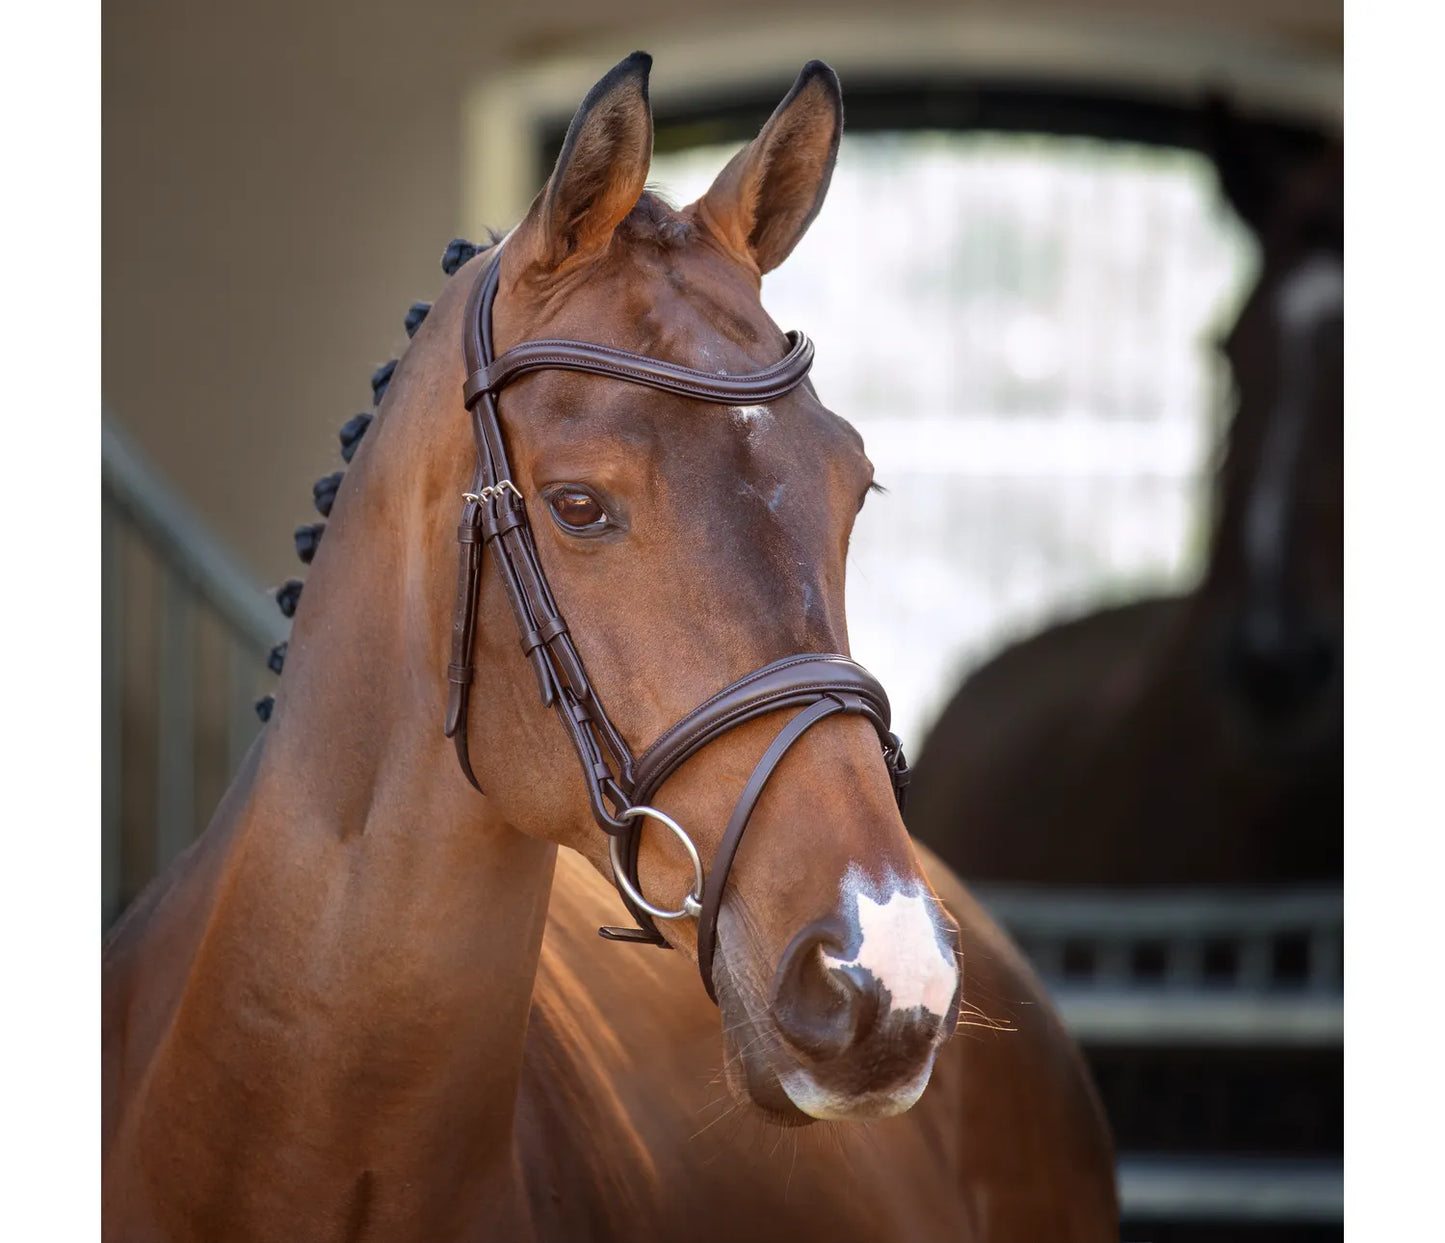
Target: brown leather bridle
{"type": "Point", "coordinates": [619, 784]}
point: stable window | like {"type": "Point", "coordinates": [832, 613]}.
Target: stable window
{"type": "Point", "coordinates": [1023, 327]}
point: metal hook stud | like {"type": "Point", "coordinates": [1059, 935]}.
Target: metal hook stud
{"type": "Point", "coordinates": [494, 489]}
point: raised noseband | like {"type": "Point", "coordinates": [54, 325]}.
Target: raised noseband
{"type": "Point", "coordinates": [618, 785]}
{"type": "Point", "coordinates": [821, 686]}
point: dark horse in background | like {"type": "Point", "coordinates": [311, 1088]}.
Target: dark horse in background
{"type": "Point", "coordinates": [1193, 739]}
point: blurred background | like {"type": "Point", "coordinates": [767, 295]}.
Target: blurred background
{"type": "Point", "coordinates": [1107, 564]}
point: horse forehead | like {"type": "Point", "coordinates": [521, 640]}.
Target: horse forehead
{"type": "Point", "coordinates": [792, 461]}
{"type": "Point", "coordinates": [687, 305]}
{"type": "Point", "coordinates": [684, 303]}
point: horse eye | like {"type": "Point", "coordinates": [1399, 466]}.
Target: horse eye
{"type": "Point", "coordinates": [576, 510]}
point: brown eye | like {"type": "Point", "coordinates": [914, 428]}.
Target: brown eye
{"type": "Point", "coordinates": [576, 510]}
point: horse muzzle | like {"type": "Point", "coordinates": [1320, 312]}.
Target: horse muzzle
{"type": "Point", "coordinates": [856, 1013]}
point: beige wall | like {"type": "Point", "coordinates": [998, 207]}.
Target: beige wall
{"type": "Point", "coordinates": [281, 177]}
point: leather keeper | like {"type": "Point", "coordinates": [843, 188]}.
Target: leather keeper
{"type": "Point", "coordinates": [551, 627]}
{"type": "Point", "coordinates": [571, 667]}
{"type": "Point", "coordinates": [494, 525]}
{"type": "Point", "coordinates": [474, 386]}
{"type": "Point", "coordinates": [544, 682]}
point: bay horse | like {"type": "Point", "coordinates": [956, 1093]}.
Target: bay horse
{"type": "Point", "coordinates": [370, 1003]}
{"type": "Point", "coordinates": [1193, 739]}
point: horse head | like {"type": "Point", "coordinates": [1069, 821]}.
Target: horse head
{"type": "Point", "coordinates": [1278, 557]}
{"type": "Point", "coordinates": [688, 543]}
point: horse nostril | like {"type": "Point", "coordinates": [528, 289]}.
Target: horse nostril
{"type": "Point", "coordinates": [824, 1010]}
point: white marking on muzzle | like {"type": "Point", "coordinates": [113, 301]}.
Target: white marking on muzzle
{"type": "Point", "coordinates": [899, 941]}
{"type": "Point", "coordinates": [829, 1106]}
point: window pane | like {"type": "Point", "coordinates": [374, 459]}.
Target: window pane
{"type": "Point", "coordinates": [1022, 329]}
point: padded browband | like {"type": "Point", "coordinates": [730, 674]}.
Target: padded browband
{"type": "Point", "coordinates": [766, 385]}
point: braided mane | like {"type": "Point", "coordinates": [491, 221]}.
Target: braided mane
{"type": "Point", "coordinates": [323, 493]}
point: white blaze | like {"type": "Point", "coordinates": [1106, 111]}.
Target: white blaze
{"type": "Point", "coordinates": [898, 941]}
{"type": "Point", "coordinates": [752, 419]}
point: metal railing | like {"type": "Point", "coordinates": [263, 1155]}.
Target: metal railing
{"type": "Point", "coordinates": [1297, 1190]}
{"type": "Point", "coordinates": [1246, 967]}
{"type": "Point", "coordinates": [1197, 969]}
{"type": "Point", "coordinates": [185, 633]}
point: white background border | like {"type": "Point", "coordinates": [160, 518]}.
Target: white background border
{"type": "Point", "coordinates": [50, 508]}
{"type": "Point", "coordinates": [50, 617]}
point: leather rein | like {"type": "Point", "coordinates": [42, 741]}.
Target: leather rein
{"type": "Point", "coordinates": [619, 784]}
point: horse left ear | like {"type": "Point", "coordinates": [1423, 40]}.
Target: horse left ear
{"type": "Point", "coordinates": [763, 202]}
{"type": "Point", "coordinates": [601, 172]}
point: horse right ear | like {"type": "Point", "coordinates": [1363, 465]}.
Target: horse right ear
{"type": "Point", "coordinates": [1247, 175]}
{"type": "Point", "coordinates": [764, 200]}
{"type": "Point", "coordinates": [601, 172]}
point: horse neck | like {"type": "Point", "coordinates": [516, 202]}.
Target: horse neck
{"type": "Point", "coordinates": [366, 971]}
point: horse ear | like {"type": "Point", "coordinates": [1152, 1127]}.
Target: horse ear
{"type": "Point", "coordinates": [763, 202]}
{"type": "Point", "coordinates": [600, 173]}
{"type": "Point", "coordinates": [1247, 175]}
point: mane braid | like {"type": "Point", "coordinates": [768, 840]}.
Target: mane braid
{"type": "Point", "coordinates": [323, 493]}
